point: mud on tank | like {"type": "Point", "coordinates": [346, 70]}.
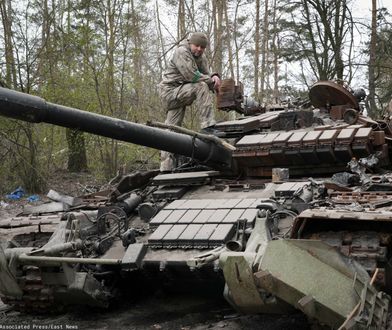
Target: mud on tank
{"type": "Point", "coordinates": [289, 210]}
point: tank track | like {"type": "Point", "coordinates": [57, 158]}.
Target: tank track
{"type": "Point", "coordinates": [37, 297]}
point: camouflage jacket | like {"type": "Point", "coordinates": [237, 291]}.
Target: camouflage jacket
{"type": "Point", "coordinates": [185, 68]}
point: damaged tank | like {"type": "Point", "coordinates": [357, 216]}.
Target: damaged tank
{"type": "Point", "coordinates": [289, 209]}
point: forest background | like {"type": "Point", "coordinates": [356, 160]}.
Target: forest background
{"type": "Point", "coordinates": [107, 57]}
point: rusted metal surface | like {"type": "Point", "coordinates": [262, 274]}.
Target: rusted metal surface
{"type": "Point", "coordinates": [324, 94]}
{"type": "Point", "coordinates": [318, 147]}
{"type": "Point", "coordinates": [230, 95]}
{"type": "Point", "coordinates": [372, 198]}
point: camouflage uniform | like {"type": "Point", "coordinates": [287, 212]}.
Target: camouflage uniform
{"type": "Point", "coordinates": [186, 80]}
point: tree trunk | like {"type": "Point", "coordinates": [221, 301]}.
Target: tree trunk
{"type": "Point", "coordinates": [341, 10]}
{"type": "Point", "coordinates": [372, 62]}
{"type": "Point", "coordinates": [257, 51]}
{"type": "Point", "coordinates": [218, 9]}
{"type": "Point", "coordinates": [237, 46]}
{"type": "Point", "coordinates": [275, 54]}
{"type": "Point", "coordinates": [77, 160]}
{"type": "Point", "coordinates": [228, 42]}
{"type": "Point", "coordinates": [264, 55]}
{"type": "Point", "coordinates": [77, 155]}
{"type": "Point", "coordinates": [162, 58]}
{"type": "Point", "coordinates": [181, 30]}
{"type": "Point", "coordinates": [10, 74]}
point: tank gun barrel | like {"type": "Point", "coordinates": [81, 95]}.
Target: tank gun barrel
{"type": "Point", "coordinates": [34, 109]}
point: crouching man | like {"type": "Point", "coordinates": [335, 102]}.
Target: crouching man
{"type": "Point", "coordinates": [187, 80]}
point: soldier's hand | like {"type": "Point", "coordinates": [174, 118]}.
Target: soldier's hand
{"type": "Point", "coordinates": [217, 83]}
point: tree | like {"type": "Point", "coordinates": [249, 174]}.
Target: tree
{"type": "Point", "coordinates": [257, 49]}
{"type": "Point", "coordinates": [320, 32]}
{"type": "Point", "coordinates": [372, 61]}
{"type": "Point", "coordinates": [181, 30]}
{"type": "Point", "coordinates": [275, 52]}
{"type": "Point", "coordinates": [6, 17]}
{"type": "Point", "coordinates": [218, 9]}
{"type": "Point", "coordinates": [265, 51]}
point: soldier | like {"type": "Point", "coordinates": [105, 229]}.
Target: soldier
{"type": "Point", "coordinates": [187, 79]}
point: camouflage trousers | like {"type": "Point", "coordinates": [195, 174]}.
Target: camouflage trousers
{"type": "Point", "coordinates": [175, 100]}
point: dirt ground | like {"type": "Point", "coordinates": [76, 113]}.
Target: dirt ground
{"type": "Point", "coordinates": [159, 310]}
{"type": "Point", "coordinates": [72, 184]}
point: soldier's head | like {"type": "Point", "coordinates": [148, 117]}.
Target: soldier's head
{"type": "Point", "coordinates": [198, 43]}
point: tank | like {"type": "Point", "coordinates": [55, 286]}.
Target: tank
{"type": "Point", "coordinates": [289, 209]}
